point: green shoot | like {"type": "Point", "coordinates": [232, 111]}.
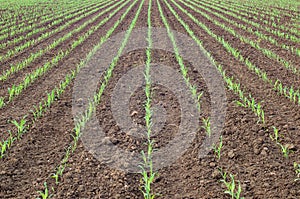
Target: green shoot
{"type": "Point", "coordinates": [44, 194]}
{"type": "Point", "coordinates": [21, 127]}
{"type": "Point", "coordinates": [231, 186]}
{"type": "Point", "coordinates": [1, 102]}
{"type": "Point", "coordinates": [285, 150]}
{"type": "Point", "coordinates": [3, 147]}
{"type": "Point", "coordinates": [6, 144]}
{"type": "Point", "coordinates": [275, 137]}
{"type": "Point", "coordinates": [206, 126]}
{"type": "Point", "coordinates": [217, 150]}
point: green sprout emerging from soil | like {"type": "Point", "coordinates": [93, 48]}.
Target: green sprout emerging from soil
{"type": "Point", "coordinates": [44, 194]}
{"type": "Point", "coordinates": [21, 126]}
{"type": "Point", "coordinates": [284, 148]}
{"type": "Point", "coordinates": [217, 150]}
{"type": "Point", "coordinates": [275, 136]}
{"type": "Point", "coordinates": [231, 186]}
{"type": "Point", "coordinates": [206, 126]}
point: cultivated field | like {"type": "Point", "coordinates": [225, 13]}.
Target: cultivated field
{"type": "Point", "coordinates": [254, 48]}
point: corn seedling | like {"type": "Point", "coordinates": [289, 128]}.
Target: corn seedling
{"type": "Point", "coordinates": [217, 149]}
{"type": "Point", "coordinates": [21, 127]}
{"type": "Point", "coordinates": [56, 177]}
{"type": "Point", "coordinates": [50, 98]}
{"type": "Point", "coordinates": [6, 144]}
{"type": "Point", "coordinates": [275, 136]}
{"type": "Point", "coordinates": [231, 186]}
{"type": "Point", "coordinates": [285, 150]}
{"type": "Point", "coordinates": [1, 102]}
{"type": "Point", "coordinates": [44, 194]}
{"type": "Point", "coordinates": [3, 146]}
{"type": "Point", "coordinates": [206, 126]}
{"type": "Point", "coordinates": [147, 179]}
{"type": "Point", "coordinates": [61, 167]}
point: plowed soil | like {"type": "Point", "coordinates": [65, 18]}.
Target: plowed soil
{"type": "Point", "coordinates": [248, 152]}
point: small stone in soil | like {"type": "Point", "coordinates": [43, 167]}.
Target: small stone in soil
{"type": "Point", "coordinates": [231, 154]}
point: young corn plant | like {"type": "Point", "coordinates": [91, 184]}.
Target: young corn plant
{"type": "Point", "coordinates": [285, 150]}
{"type": "Point", "coordinates": [10, 139]}
{"type": "Point", "coordinates": [62, 166]}
{"type": "Point", "coordinates": [232, 190]}
{"type": "Point", "coordinates": [255, 107]}
{"type": "Point", "coordinates": [217, 149]}
{"type": "Point", "coordinates": [11, 92]}
{"type": "Point", "coordinates": [275, 136]}
{"type": "Point", "coordinates": [38, 110]}
{"type": "Point", "coordinates": [50, 98]}
{"type": "Point", "coordinates": [206, 126]}
{"type": "Point", "coordinates": [44, 194]}
{"type": "Point", "coordinates": [56, 177]}
{"type": "Point", "coordinates": [3, 147]}
{"type": "Point", "coordinates": [1, 102]}
{"type": "Point", "coordinates": [147, 179]}
{"type": "Point", "coordinates": [21, 126]}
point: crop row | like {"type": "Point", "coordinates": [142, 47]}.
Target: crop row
{"type": "Point", "coordinates": [249, 29]}
{"type": "Point", "coordinates": [44, 104]}
{"type": "Point", "coordinates": [18, 49]}
{"type": "Point", "coordinates": [13, 28]}
{"type": "Point", "coordinates": [148, 174]}
{"type": "Point", "coordinates": [278, 33]}
{"type": "Point", "coordinates": [289, 92]}
{"type": "Point", "coordinates": [276, 11]}
{"type": "Point", "coordinates": [81, 122]}
{"type": "Point", "coordinates": [17, 34]}
{"type": "Point", "coordinates": [33, 56]}
{"type": "Point", "coordinates": [246, 40]}
{"type": "Point", "coordinates": [259, 16]}
{"type": "Point", "coordinates": [253, 28]}
{"type": "Point", "coordinates": [15, 90]}
{"type": "Point", "coordinates": [231, 85]}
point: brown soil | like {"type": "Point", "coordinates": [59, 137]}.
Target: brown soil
{"type": "Point", "coordinates": [248, 152]}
